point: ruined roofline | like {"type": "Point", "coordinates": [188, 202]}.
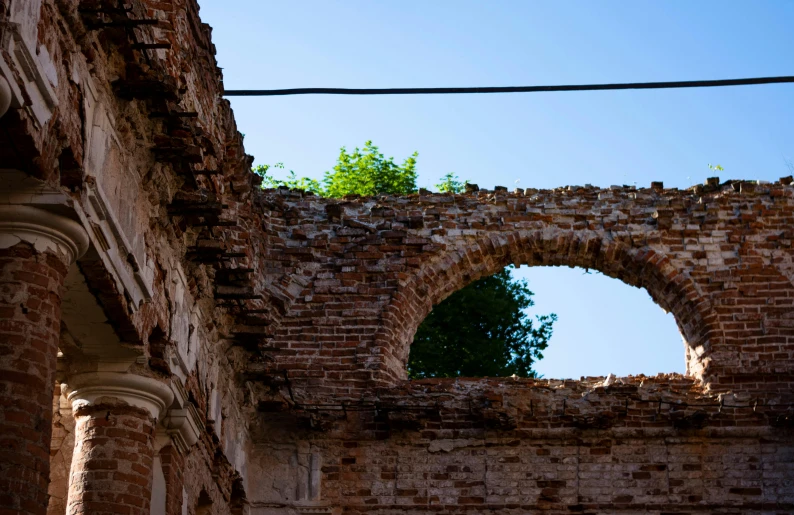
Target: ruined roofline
{"type": "Point", "coordinates": [711, 189]}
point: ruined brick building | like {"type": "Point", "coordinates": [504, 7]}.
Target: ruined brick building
{"type": "Point", "coordinates": [175, 340]}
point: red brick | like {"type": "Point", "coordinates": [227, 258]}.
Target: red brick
{"type": "Point", "coordinates": [27, 375]}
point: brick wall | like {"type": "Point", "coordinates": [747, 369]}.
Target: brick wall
{"type": "Point", "coordinates": [173, 464]}
{"type": "Point", "coordinates": [639, 445]}
{"type": "Point", "coordinates": [566, 472]}
{"type": "Point", "coordinates": [350, 281]}
{"type": "Point", "coordinates": [287, 319]}
{"type": "Point", "coordinates": [125, 133]}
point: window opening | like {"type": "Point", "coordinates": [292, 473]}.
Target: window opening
{"type": "Point", "coordinates": [545, 321]}
{"type": "Point", "coordinates": [204, 503]}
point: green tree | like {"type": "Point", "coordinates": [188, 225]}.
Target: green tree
{"type": "Point", "coordinates": [480, 330]}
{"type": "Point", "coordinates": [292, 181]}
{"type": "Point", "coordinates": [367, 172]}
{"type": "Point", "coordinates": [362, 172]}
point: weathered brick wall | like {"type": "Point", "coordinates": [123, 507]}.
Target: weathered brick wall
{"type": "Point", "coordinates": [173, 471]}
{"type": "Point", "coordinates": [282, 322]}
{"type": "Point", "coordinates": [565, 472]}
{"type": "Point", "coordinates": [346, 283]}
{"type": "Point", "coordinates": [116, 133]}
{"type": "Point", "coordinates": [352, 280]}
{"type": "Point", "coordinates": [638, 445]}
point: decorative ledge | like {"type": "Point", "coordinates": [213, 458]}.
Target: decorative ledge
{"type": "Point", "coordinates": [28, 71]}
{"type": "Point", "coordinates": [183, 426]}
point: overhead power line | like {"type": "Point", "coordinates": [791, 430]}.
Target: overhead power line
{"type": "Point", "coordinates": [507, 89]}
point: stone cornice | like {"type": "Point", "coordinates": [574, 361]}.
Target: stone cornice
{"type": "Point", "coordinates": [183, 425]}
{"type": "Point", "coordinates": [182, 422]}
{"type": "Point", "coordinates": [42, 229]}
{"type": "Point", "coordinates": [312, 508]}
{"type": "Point", "coordinates": [27, 71]}
{"type": "Point", "coordinates": [97, 387]}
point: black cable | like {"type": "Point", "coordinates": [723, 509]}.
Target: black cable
{"type": "Point", "coordinates": [507, 89]}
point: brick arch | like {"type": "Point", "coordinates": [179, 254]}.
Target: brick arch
{"type": "Point", "coordinates": [358, 276]}
{"type": "Point", "coordinates": [465, 262]}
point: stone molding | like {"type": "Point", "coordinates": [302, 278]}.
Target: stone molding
{"type": "Point", "coordinates": [141, 392]}
{"type": "Point", "coordinates": [182, 422]}
{"type": "Point", "coordinates": [42, 229]}
{"type": "Point", "coordinates": [35, 72]}
{"type": "Point", "coordinates": [114, 245]}
{"type": "Point", "coordinates": [183, 426]}
{"type": "Point", "coordinates": [5, 96]}
{"type": "Point", "coordinates": [278, 507]}
{"type": "Point", "coordinates": [168, 402]}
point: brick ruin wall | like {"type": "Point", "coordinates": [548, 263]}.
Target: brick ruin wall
{"type": "Point", "coordinates": [267, 331]}
{"type": "Point", "coordinates": [352, 280]}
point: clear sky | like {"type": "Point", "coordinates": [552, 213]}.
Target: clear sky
{"type": "Point", "coordinates": [543, 140]}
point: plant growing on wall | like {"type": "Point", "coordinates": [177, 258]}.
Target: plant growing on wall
{"type": "Point", "coordinates": [361, 172]}
{"type": "Point", "coordinates": [480, 330]}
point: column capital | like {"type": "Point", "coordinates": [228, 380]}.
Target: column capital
{"type": "Point", "coordinates": [43, 229]}
{"type": "Point", "coordinates": [95, 388]}
{"type": "Point", "coordinates": [5, 96]}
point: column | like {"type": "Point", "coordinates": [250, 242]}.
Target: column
{"type": "Point", "coordinates": [115, 420]}
{"type": "Point", "coordinates": [36, 249]}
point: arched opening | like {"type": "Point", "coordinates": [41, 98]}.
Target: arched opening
{"type": "Point", "coordinates": [482, 330]}
{"type": "Point", "coordinates": [61, 452]}
{"type": "Point", "coordinates": [237, 500]}
{"type": "Point", "coordinates": [643, 267]}
{"type": "Point", "coordinates": [602, 326]}
{"type": "Point", "coordinates": [203, 503]}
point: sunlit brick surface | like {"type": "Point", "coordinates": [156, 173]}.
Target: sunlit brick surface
{"type": "Point", "coordinates": [283, 322]}
{"type": "Point", "coordinates": [112, 464]}
{"type": "Point", "coordinates": [30, 297]}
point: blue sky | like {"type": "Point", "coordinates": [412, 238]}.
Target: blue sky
{"type": "Point", "coordinates": [542, 140]}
